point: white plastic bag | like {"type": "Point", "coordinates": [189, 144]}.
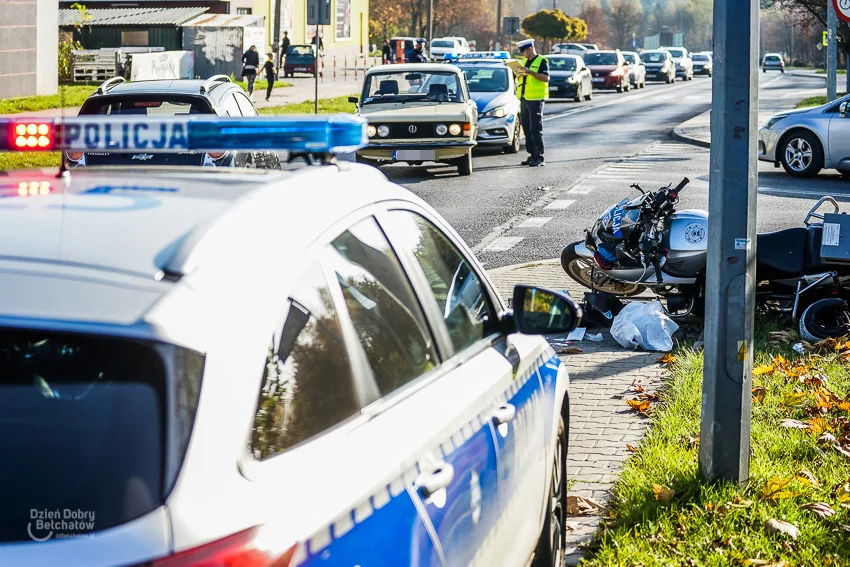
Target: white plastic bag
{"type": "Point", "coordinates": [644, 325]}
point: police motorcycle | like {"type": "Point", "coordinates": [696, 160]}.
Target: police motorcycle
{"type": "Point", "coordinates": [645, 242]}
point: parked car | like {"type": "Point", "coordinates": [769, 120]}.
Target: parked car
{"type": "Point", "coordinates": [590, 46]}
{"type": "Point", "coordinates": [609, 70]}
{"type": "Point", "coordinates": [807, 140]}
{"type": "Point", "coordinates": [703, 64]}
{"type": "Point", "coordinates": [569, 77]}
{"type": "Point", "coordinates": [659, 65]}
{"type": "Point", "coordinates": [773, 62]}
{"type": "Point", "coordinates": [570, 49]}
{"type": "Point", "coordinates": [637, 70]}
{"type": "Point", "coordinates": [418, 113]}
{"type": "Point", "coordinates": [444, 45]}
{"type": "Point", "coordinates": [216, 96]}
{"type": "Point", "coordinates": [683, 61]}
{"type": "Point", "coordinates": [300, 59]}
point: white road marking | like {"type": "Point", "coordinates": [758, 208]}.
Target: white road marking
{"type": "Point", "coordinates": [582, 189]}
{"type": "Point", "coordinates": [503, 243]}
{"type": "Point", "coordinates": [534, 222]}
{"type": "Point", "coordinates": [559, 204]}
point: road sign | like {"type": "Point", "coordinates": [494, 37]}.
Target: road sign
{"type": "Point", "coordinates": [318, 12]}
{"type": "Point", "coordinates": [842, 9]}
{"type": "Point", "coordinates": [511, 25]}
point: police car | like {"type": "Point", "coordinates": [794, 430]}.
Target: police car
{"type": "Point", "coordinates": [493, 88]}
{"type": "Point", "coordinates": [244, 367]}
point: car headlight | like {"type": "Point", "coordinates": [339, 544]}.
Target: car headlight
{"type": "Point", "coordinates": [773, 120]}
{"type": "Point", "coordinates": [383, 130]}
{"type": "Point", "coordinates": [617, 73]}
{"type": "Point", "coordinates": [454, 129]}
{"type": "Point", "coordinates": [442, 129]}
{"type": "Point", "coordinates": [371, 131]}
{"type": "Point", "coordinates": [495, 113]}
{"type": "Point", "coordinates": [572, 79]}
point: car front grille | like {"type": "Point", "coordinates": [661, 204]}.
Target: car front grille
{"type": "Point", "coordinates": [413, 130]}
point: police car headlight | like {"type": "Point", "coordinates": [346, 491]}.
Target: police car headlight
{"type": "Point", "coordinates": [454, 129]}
{"type": "Point", "coordinates": [442, 129]}
{"type": "Point", "coordinates": [496, 113]}
{"type": "Point", "coordinates": [383, 130]}
{"type": "Point", "coordinates": [371, 131]}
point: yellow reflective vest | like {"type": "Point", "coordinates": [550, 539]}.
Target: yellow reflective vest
{"type": "Point", "coordinates": [530, 88]}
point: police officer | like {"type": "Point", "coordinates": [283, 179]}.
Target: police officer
{"type": "Point", "coordinates": [532, 90]}
{"type": "Point", "coordinates": [418, 55]}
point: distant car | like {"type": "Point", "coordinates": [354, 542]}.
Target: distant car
{"type": "Point", "coordinates": [773, 62]}
{"type": "Point", "coordinates": [609, 70]}
{"type": "Point", "coordinates": [300, 59]}
{"type": "Point", "coordinates": [703, 64]}
{"type": "Point", "coordinates": [570, 49]}
{"type": "Point", "coordinates": [417, 113]}
{"type": "Point", "coordinates": [216, 96]}
{"type": "Point", "coordinates": [590, 46]}
{"type": "Point", "coordinates": [807, 140]}
{"type": "Point", "coordinates": [569, 77]}
{"type": "Point", "coordinates": [443, 45]}
{"type": "Point", "coordinates": [659, 65]}
{"type": "Point", "coordinates": [637, 70]}
{"type": "Point", "coordinates": [683, 61]}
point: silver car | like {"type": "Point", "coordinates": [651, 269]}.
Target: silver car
{"type": "Point", "coordinates": [807, 140]}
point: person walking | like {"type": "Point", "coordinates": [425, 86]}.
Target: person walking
{"type": "Point", "coordinates": [320, 45]}
{"type": "Point", "coordinates": [387, 52]}
{"type": "Point", "coordinates": [418, 55]}
{"type": "Point", "coordinates": [532, 90]}
{"type": "Point", "coordinates": [250, 65]}
{"type": "Point", "coordinates": [284, 49]}
{"type": "Point", "coordinates": [268, 67]}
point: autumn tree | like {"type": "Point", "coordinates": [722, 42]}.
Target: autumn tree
{"type": "Point", "coordinates": [594, 18]}
{"type": "Point", "coordinates": [624, 18]}
{"type": "Point", "coordinates": [547, 25]}
{"type": "Point", "coordinates": [813, 13]}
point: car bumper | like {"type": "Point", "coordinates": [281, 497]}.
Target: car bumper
{"type": "Point", "coordinates": [563, 90]}
{"type": "Point", "coordinates": [768, 140]}
{"type": "Point", "coordinates": [442, 151]}
{"type": "Point", "coordinates": [658, 75]}
{"type": "Point", "coordinates": [773, 67]}
{"type": "Point", "coordinates": [681, 72]}
{"type": "Point", "coordinates": [608, 82]}
{"type": "Point", "coordinates": [496, 130]}
{"type": "Point", "coordinates": [702, 70]}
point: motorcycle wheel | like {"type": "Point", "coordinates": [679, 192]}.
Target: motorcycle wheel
{"type": "Point", "coordinates": [582, 271]}
{"type": "Point", "coordinates": [824, 319]}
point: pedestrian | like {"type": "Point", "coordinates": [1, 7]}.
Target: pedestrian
{"type": "Point", "coordinates": [268, 67]}
{"type": "Point", "coordinates": [250, 65]}
{"type": "Point", "coordinates": [284, 49]}
{"type": "Point", "coordinates": [320, 45]}
{"type": "Point", "coordinates": [532, 90]}
{"type": "Point", "coordinates": [387, 52]}
{"type": "Point", "coordinates": [418, 55]}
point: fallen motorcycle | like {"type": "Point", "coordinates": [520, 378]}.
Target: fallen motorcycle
{"type": "Point", "coordinates": [645, 243]}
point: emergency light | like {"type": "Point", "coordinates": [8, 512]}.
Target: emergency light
{"type": "Point", "coordinates": [308, 134]}
{"type": "Point", "coordinates": [497, 55]}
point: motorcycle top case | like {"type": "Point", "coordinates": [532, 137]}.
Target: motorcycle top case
{"type": "Point", "coordinates": [835, 242]}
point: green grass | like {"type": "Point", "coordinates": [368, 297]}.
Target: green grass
{"type": "Point", "coordinates": [71, 95]}
{"type": "Point", "coordinates": [723, 524]}
{"type": "Point", "coordinates": [17, 160]}
{"type": "Point", "coordinates": [814, 101]}
{"type": "Point", "coordinates": [838, 71]}
{"type": "Point", "coordinates": [260, 85]}
{"type": "Point", "coordinates": [333, 105]}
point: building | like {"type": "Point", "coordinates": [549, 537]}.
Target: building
{"type": "Point", "coordinates": [29, 47]}
{"type": "Point", "coordinates": [129, 27]}
{"type": "Point", "coordinates": [212, 6]}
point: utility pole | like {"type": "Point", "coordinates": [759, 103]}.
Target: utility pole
{"type": "Point", "coordinates": [430, 26]}
{"type": "Point", "coordinates": [724, 451]}
{"type": "Point", "coordinates": [498, 24]}
{"type": "Point", "coordinates": [831, 51]}
{"type": "Point", "coordinates": [276, 32]}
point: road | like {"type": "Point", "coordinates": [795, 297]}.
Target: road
{"type": "Point", "coordinates": [511, 214]}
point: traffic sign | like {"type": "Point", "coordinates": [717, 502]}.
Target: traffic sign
{"type": "Point", "coordinates": [842, 9]}
{"type": "Point", "coordinates": [511, 25]}
{"type": "Point", "coordinates": [318, 12]}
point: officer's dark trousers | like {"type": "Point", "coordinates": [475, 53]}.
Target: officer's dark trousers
{"type": "Point", "coordinates": [531, 112]}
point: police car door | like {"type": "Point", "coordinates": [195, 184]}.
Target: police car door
{"type": "Point", "coordinates": [494, 377]}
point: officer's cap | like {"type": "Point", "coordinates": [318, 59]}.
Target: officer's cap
{"type": "Point", "coordinates": [524, 44]}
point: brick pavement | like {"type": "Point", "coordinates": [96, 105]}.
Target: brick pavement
{"type": "Point", "coordinates": [600, 422]}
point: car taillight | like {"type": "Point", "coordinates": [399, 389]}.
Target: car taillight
{"type": "Point", "coordinates": [237, 550]}
{"type": "Point", "coordinates": [29, 136]}
{"type": "Point", "coordinates": [215, 156]}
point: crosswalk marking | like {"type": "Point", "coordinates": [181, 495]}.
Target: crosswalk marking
{"type": "Point", "coordinates": [534, 222]}
{"type": "Point", "coordinates": [503, 243]}
{"type": "Point", "coordinates": [582, 189]}
{"type": "Point", "coordinates": [559, 204]}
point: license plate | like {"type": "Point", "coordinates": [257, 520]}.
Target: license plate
{"type": "Point", "coordinates": [600, 80]}
{"type": "Point", "coordinates": [415, 155]}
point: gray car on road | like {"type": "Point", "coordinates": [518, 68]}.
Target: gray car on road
{"type": "Point", "coordinates": [807, 140]}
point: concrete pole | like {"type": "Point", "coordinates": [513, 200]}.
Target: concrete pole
{"type": "Point", "coordinates": [430, 27]}
{"type": "Point", "coordinates": [724, 452]}
{"type": "Point", "coordinates": [831, 52]}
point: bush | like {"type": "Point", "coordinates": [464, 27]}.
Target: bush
{"type": "Point", "coordinates": [66, 59]}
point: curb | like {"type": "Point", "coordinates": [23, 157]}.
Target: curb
{"type": "Point", "coordinates": [678, 134]}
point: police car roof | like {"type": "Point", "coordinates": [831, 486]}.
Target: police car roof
{"type": "Point", "coordinates": [104, 246]}
{"type": "Point", "coordinates": [175, 86]}
{"type": "Point", "coordinates": [411, 67]}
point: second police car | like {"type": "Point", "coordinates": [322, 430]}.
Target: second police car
{"type": "Point", "coordinates": [264, 368]}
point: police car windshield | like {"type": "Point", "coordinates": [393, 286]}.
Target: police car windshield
{"type": "Point", "coordinates": [601, 58]}
{"type": "Point", "coordinates": [412, 86]}
{"type": "Point", "coordinates": [653, 57]}
{"type": "Point", "coordinates": [146, 105]}
{"type": "Point", "coordinates": [562, 64]}
{"type": "Point", "coordinates": [486, 80]}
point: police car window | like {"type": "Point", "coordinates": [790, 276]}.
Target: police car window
{"type": "Point", "coordinates": [229, 106]}
{"type": "Point", "coordinates": [486, 80]}
{"type": "Point", "coordinates": [308, 386]}
{"type": "Point", "coordinates": [383, 307]}
{"type": "Point", "coordinates": [245, 106]}
{"type": "Point", "coordinates": [155, 106]}
{"type": "Point", "coordinates": [460, 294]}
{"type": "Point", "coordinates": [562, 64]}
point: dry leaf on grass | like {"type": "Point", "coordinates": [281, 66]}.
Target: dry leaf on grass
{"type": "Point", "coordinates": [631, 448]}
{"type": "Point", "coordinates": [793, 424]}
{"type": "Point", "coordinates": [775, 526]}
{"type": "Point", "coordinates": [570, 350]}
{"type": "Point", "coordinates": [636, 387]}
{"type": "Point", "coordinates": [794, 399]}
{"type": "Point", "coordinates": [668, 359]}
{"type": "Point", "coordinates": [845, 527]}
{"type": "Point", "coordinates": [806, 477]}
{"type": "Point", "coordinates": [774, 489]}
{"type": "Point", "coordinates": [844, 406]}
{"type": "Point", "coordinates": [663, 494]}
{"type": "Point", "coordinates": [827, 439]}
{"type": "Point", "coordinates": [781, 337]}
{"type": "Point", "coordinates": [763, 369]}
{"type": "Point", "coordinates": [818, 426]}
{"type": "Point", "coordinates": [822, 509]}
{"type": "Point", "coordinates": [764, 563]}
{"type": "Point", "coordinates": [582, 506]}
{"type": "Point", "coordinates": [640, 405]}
{"type": "Point", "coordinates": [759, 393]}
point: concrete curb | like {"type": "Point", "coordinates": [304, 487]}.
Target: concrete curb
{"type": "Point", "coordinates": [679, 134]}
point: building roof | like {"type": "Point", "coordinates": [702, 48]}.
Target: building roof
{"type": "Point", "coordinates": [226, 21]}
{"type": "Point", "coordinates": [131, 16]}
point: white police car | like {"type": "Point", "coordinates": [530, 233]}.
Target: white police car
{"type": "Point", "coordinates": [493, 88]}
{"type": "Point", "coordinates": [257, 368]}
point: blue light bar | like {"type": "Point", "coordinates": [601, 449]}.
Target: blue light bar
{"type": "Point", "coordinates": [312, 134]}
{"type": "Point", "coordinates": [472, 55]}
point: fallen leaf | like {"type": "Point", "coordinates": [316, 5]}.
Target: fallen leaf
{"type": "Point", "coordinates": [759, 393]}
{"type": "Point", "coordinates": [822, 509]}
{"type": "Point", "coordinates": [737, 502]}
{"type": "Point", "coordinates": [775, 526]}
{"type": "Point", "coordinates": [781, 337]}
{"type": "Point", "coordinates": [763, 369]}
{"type": "Point", "coordinates": [794, 399]}
{"type": "Point", "coordinates": [844, 406]}
{"type": "Point", "coordinates": [635, 387]}
{"type": "Point", "coordinates": [793, 424]}
{"type": "Point", "coordinates": [844, 494]}
{"type": "Point", "coordinates": [780, 360]}
{"type": "Point", "coordinates": [582, 506]}
{"type": "Point", "coordinates": [807, 478]}
{"type": "Point", "coordinates": [640, 405]}
{"type": "Point", "coordinates": [689, 440]}
{"type": "Point", "coordinates": [570, 350]}
{"type": "Point", "coordinates": [667, 359]}
{"type": "Point", "coordinates": [650, 397]}
{"type": "Point", "coordinates": [663, 494]}
{"type": "Point", "coordinates": [844, 527]}
{"type": "Point", "coordinates": [818, 426]}
{"type": "Point", "coordinates": [828, 439]}
{"type": "Point", "coordinates": [842, 450]}
{"type": "Point", "coordinates": [631, 448]}
{"type": "Point", "coordinates": [774, 489]}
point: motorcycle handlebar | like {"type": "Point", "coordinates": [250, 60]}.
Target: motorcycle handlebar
{"type": "Point", "coordinates": [681, 185]}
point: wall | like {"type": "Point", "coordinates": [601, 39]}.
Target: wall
{"type": "Point", "coordinates": [96, 37]}
{"type": "Point", "coordinates": [28, 47]}
{"type": "Point", "coordinates": [333, 36]}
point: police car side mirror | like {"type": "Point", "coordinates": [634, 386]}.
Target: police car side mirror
{"type": "Point", "coordinates": [538, 311]}
{"type": "Point", "coordinates": [353, 99]}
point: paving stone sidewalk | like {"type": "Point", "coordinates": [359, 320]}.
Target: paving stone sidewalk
{"type": "Point", "coordinates": [601, 424]}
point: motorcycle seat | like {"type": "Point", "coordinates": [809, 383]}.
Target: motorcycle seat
{"type": "Point", "coordinates": [789, 253]}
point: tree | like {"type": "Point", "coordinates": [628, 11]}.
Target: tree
{"type": "Point", "coordinates": [597, 27]}
{"type": "Point", "coordinates": [547, 25]}
{"type": "Point", "coordinates": [624, 18]}
{"type": "Point", "coordinates": [813, 12]}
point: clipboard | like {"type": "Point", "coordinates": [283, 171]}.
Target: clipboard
{"type": "Point", "coordinates": [517, 67]}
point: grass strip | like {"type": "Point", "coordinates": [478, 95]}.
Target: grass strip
{"type": "Point", "coordinates": [333, 105]}
{"type": "Point", "coordinates": [814, 101]}
{"type": "Point", "coordinates": [71, 95]}
{"type": "Point", "coordinates": [22, 160]}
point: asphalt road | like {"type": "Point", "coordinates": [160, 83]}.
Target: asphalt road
{"type": "Point", "coordinates": [511, 214]}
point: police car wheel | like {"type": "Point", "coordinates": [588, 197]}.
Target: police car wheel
{"type": "Point", "coordinates": [552, 542]}
{"type": "Point", "coordinates": [464, 165]}
{"type": "Point", "coordinates": [514, 147]}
